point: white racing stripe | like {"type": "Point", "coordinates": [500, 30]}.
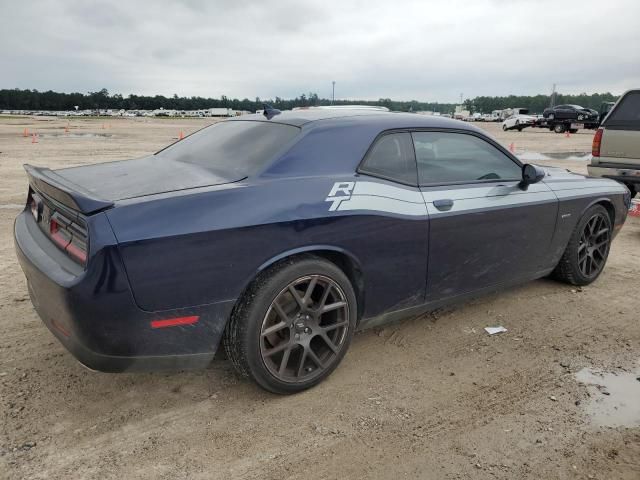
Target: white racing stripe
{"type": "Point", "coordinates": [583, 184]}
{"type": "Point", "coordinates": [406, 194]}
{"type": "Point", "coordinates": [383, 204]}
{"type": "Point", "coordinates": [491, 202]}
{"type": "Point", "coordinates": [510, 189]}
{"type": "Point", "coordinates": [410, 201]}
{"type": "Point", "coordinates": [582, 192]}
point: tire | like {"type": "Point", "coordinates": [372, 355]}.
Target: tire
{"type": "Point", "coordinates": [278, 322]}
{"type": "Point", "coordinates": [520, 129]}
{"type": "Point", "coordinates": [504, 128]}
{"type": "Point", "coordinates": [559, 128]}
{"type": "Point", "coordinates": [593, 229]}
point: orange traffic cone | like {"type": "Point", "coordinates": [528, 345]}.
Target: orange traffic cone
{"type": "Point", "coordinates": [34, 138]}
{"type": "Point", "coordinates": [25, 133]}
{"type": "Point", "coordinates": [181, 136]}
{"type": "Point", "coordinates": [512, 147]}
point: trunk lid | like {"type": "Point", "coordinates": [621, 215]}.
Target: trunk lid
{"type": "Point", "coordinates": [92, 188]}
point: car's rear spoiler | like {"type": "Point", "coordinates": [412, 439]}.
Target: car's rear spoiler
{"type": "Point", "coordinates": [69, 194]}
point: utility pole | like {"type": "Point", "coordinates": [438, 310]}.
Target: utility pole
{"type": "Point", "coordinates": [460, 99]}
{"type": "Point", "coordinates": [553, 96]}
{"type": "Point", "coordinates": [333, 91]}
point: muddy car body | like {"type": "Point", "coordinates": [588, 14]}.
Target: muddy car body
{"type": "Point", "coordinates": [280, 234]}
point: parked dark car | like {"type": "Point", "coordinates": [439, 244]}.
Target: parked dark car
{"type": "Point", "coordinates": [279, 235]}
{"type": "Point", "coordinates": [570, 112]}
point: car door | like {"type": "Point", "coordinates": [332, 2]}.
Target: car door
{"type": "Point", "coordinates": [565, 112]}
{"type": "Point", "coordinates": [484, 228]}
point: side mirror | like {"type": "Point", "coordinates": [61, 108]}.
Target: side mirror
{"type": "Point", "coordinates": [531, 174]}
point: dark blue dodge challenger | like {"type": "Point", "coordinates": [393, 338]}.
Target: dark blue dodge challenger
{"type": "Point", "coordinates": [279, 235]}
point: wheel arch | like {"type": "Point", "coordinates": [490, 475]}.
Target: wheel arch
{"type": "Point", "coordinates": [608, 206]}
{"type": "Point", "coordinates": [343, 259]}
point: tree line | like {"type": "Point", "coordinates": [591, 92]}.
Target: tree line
{"type": "Point", "coordinates": [537, 103]}
{"type": "Point", "coordinates": [16, 99]}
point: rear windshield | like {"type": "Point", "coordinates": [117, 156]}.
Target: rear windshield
{"type": "Point", "coordinates": [237, 147]}
{"type": "Point", "coordinates": [627, 114]}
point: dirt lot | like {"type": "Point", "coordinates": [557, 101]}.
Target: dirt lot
{"type": "Point", "coordinates": [432, 397]}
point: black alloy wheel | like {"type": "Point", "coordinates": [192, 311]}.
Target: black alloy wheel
{"type": "Point", "coordinates": [586, 253]}
{"type": "Point", "coordinates": [304, 329]}
{"type": "Point", "coordinates": [293, 325]}
{"type": "Point", "coordinates": [594, 245]}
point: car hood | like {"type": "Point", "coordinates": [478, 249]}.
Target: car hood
{"type": "Point", "coordinates": [150, 175]}
{"type": "Point", "coordinates": [558, 173]}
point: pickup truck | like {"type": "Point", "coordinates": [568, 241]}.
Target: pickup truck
{"type": "Point", "coordinates": [616, 144]}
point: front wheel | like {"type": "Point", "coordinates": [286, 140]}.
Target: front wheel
{"type": "Point", "coordinates": [588, 248]}
{"type": "Point", "coordinates": [504, 128]}
{"type": "Point", "coordinates": [293, 326]}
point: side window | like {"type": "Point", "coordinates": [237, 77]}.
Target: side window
{"type": "Point", "coordinates": [392, 157]}
{"type": "Point", "coordinates": [445, 157]}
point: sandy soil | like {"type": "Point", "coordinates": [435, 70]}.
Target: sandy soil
{"type": "Point", "coordinates": [431, 397]}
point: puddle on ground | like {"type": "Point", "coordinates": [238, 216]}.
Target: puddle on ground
{"type": "Point", "coordinates": [536, 156]}
{"type": "Point", "coordinates": [615, 397]}
{"type": "Point", "coordinates": [75, 135]}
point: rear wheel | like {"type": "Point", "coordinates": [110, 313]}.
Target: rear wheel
{"type": "Point", "coordinates": [293, 326]}
{"type": "Point", "coordinates": [588, 248]}
{"type": "Point", "coordinates": [559, 128]}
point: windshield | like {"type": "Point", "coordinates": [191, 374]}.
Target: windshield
{"type": "Point", "coordinates": [239, 148]}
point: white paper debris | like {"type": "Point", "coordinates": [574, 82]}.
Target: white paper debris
{"type": "Point", "coordinates": [494, 330]}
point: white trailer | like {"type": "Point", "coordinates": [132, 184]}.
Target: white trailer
{"type": "Point", "coordinates": [219, 112]}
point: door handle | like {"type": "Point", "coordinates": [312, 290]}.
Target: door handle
{"type": "Point", "coordinates": [443, 204]}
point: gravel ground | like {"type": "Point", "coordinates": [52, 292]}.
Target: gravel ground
{"type": "Point", "coordinates": [432, 397]}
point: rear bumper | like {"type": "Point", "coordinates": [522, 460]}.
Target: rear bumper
{"type": "Point", "coordinates": [622, 174]}
{"type": "Point", "coordinates": [93, 313]}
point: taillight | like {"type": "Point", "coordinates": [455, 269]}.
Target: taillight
{"type": "Point", "coordinates": [597, 140]}
{"type": "Point", "coordinates": [35, 205]}
{"type": "Point", "coordinates": [69, 236]}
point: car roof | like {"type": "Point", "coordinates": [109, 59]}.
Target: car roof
{"type": "Point", "coordinates": [383, 120]}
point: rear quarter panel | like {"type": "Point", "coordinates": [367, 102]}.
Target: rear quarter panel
{"type": "Point", "coordinates": [206, 247]}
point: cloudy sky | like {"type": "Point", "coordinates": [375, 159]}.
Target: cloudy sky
{"type": "Point", "coordinates": [423, 50]}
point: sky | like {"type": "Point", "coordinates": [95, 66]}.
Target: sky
{"type": "Point", "coordinates": [405, 50]}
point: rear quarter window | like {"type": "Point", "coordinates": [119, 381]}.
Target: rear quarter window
{"type": "Point", "coordinates": [232, 148]}
{"type": "Point", "coordinates": [626, 115]}
{"type": "Point", "coordinates": [392, 157]}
